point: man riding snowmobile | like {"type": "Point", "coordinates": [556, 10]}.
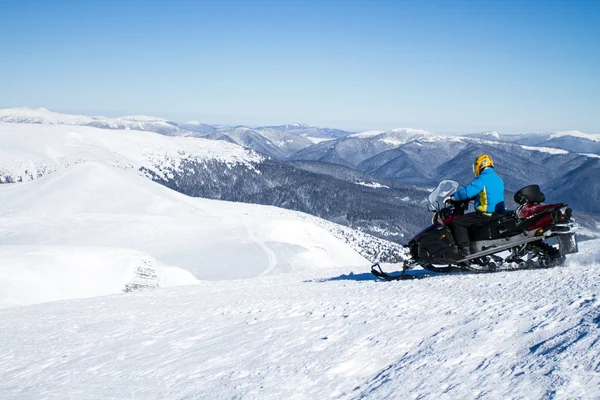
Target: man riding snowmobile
{"type": "Point", "coordinates": [488, 192]}
{"type": "Point", "coordinates": [533, 236]}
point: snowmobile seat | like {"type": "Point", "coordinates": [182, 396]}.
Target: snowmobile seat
{"type": "Point", "coordinates": [500, 216]}
{"type": "Point", "coordinates": [529, 194]}
{"type": "Point", "coordinates": [501, 225]}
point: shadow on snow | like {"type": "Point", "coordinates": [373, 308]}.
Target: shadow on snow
{"type": "Point", "coordinates": [367, 276]}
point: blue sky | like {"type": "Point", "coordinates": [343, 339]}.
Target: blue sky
{"type": "Point", "coordinates": [456, 66]}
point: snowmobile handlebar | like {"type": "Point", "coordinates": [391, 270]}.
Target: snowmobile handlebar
{"type": "Point", "coordinates": [457, 207]}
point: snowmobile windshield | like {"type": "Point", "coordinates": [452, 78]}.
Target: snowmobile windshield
{"type": "Point", "coordinates": [444, 189]}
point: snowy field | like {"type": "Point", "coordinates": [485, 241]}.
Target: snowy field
{"type": "Point", "coordinates": [318, 335]}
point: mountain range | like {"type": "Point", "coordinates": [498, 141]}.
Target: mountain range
{"type": "Point", "coordinates": [277, 141]}
{"type": "Point", "coordinates": [422, 158]}
{"type": "Point", "coordinates": [216, 170]}
{"type": "Point", "coordinates": [374, 180]}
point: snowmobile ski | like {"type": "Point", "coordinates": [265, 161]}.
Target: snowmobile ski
{"type": "Point", "coordinates": [379, 273]}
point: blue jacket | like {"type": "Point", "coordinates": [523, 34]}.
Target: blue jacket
{"type": "Point", "coordinates": [488, 190]}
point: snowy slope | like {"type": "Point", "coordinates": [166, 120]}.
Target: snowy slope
{"type": "Point", "coordinates": [197, 126]}
{"type": "Point", "coordinates": [30, 151]}
{"type": "Point", "coordinates": [134, 122]}
{"type": "Point", "coordinates": [140, 123]}
{"type": "Point", "coordinates": [399, 136]}
{"type": "Point", "coordinates": [578, 134]}
{"type": "Point", "coordinates": [354, 149]}
{"type": "Point", "coordinates": [26, 115]}
{"type": "Point", "coordinates": [307, 131]}
{"type": "Point", "coordinates": [490, 135]}
{"type": "Point", "coordinates": [318, 335]}
{"type": "Point", "coordinates": [573, 141]}
{"type": "Point", "coordinates": [99, 209]}
{"type": "Point", "coordinates": [276, 143]}
{"type": "Point", "coordinates": [41, 273]}
{"type": "Point", "coordinates": [280, 140]}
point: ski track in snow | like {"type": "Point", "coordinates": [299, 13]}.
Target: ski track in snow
{"type": "Point", "coordinates": [521, 334]}
{"type": "Point", "coordinates": [271, 257]}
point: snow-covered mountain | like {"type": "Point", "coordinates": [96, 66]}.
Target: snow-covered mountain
{"type": "Point", "coordinates": [490, 135]}
{"type": "Point", "coordinates": [356, 148]}
{"type": "Point", "coordinates": [393, 160]}
{"type": "Point", "coordinates": [279, 142]}
{"type": "Point", "coordinates": [578, 134]}
{"type": "Point", "coordinates": [25, 115]}
{"type": "Point", "coordinates": [196, 126]}
{"type": "Point", "coordinates": [140, 123]}
{"type": "Point", "coordinates": [275, 143]}
{"type": "Point", "coordinates": [573, 141]}
{"type": "Point", "coordinates": [423, 158]}
{"type": "Point", "coordinates": [58, 232]}
{"type": "Point", "coordinates": [397, 136]}
{"type": "Point", "coordinates": [304, 130]}
{"type": "Point", "coordinates": [30, 151]}
{"type": "Point", "coordinates": [134, 122]}
{"type": "Point", "coordinates": [216, 170]}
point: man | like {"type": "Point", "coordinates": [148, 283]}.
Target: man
{"type": "Point", "coordinates": [488, 191]}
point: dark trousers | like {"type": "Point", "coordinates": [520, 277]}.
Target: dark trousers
{"type": "Point", "coordinates": [461, 225]}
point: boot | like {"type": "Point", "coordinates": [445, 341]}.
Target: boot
{"type": "Point", "coordinates": [464, 250]}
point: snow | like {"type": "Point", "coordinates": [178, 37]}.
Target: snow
{"type": "Point", "coordinates": [319, 335]}
{"type": "Point", "coordinates": [591, 155]}
{"type": "Point", "coordinates": [135, 122]}
{"type": "Point", "coordinates": [489, 135]}
{"type": "Point", "coordinates": [92, 214]}
{"type": "Point", "coordinates": [400, 136]}
{"type": "Point", "coordinates": [37, 274]}
{"type": "Point", "coordinates": [579, 134]}
{"type": "Point", "coordinates": [366, 134]}
{"type": "Point", "coordinates": [41, 116]}
{"type": "Point", "coordinates": [393, 142]}
{"type": "Point", "coordinates": [411, 131]}
{"type": "Point", "coordinates": [550, 150]}
{"type": "Point", "coordinates": [144, 118]}
{"type": "Point", "coordinates": [375, 185]}
{"type": "Point", "coordinates": [493, 134]}
{"type": "Point", "coordinates": [140, 123]}
{"type": "Point", "coordinates": [318, 140]}
{"type": "Point", "coordinates": [29, 151]}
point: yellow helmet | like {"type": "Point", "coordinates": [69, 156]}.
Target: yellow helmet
{"type": "Point", "coordinates": [482, 162]}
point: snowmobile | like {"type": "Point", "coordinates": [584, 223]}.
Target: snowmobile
{"type": "Point", "coordinates": [534, 235]}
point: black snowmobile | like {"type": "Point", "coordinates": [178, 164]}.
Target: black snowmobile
{"type": "Point", "coordinates": [535, 235]}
